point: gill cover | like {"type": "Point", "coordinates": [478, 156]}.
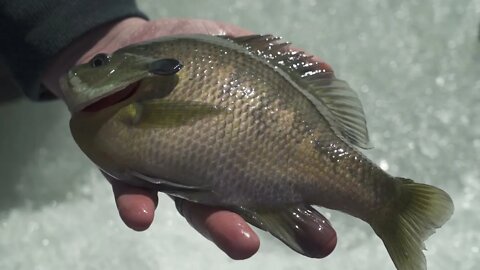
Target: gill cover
{"type": "Point", "coordinates": [105, 75]}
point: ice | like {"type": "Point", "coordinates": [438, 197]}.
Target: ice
{"type": "Point", "coordinates": [416, 67]}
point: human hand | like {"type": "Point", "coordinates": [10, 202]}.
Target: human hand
{"type": "Point", "coordinates": [136, 206]}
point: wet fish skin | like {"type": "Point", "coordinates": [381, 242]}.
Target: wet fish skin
{"type": "Point", "coordinates": [251, 127]}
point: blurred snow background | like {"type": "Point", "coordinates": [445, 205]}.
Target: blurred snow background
{"type": "Point", "coordinates": [416, 67]}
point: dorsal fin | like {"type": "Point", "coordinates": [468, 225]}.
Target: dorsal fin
{"type": "Point", "coordinates": [337, 102]}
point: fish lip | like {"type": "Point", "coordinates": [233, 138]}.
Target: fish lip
{"type": "Point", "coordinates": [118, 95]}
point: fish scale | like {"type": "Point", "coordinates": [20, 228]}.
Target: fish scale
{"type": "Point", "coordinates": [249, 125]}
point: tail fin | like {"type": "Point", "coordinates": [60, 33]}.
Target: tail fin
{"type": "Point", "coordinates": [419, 210]}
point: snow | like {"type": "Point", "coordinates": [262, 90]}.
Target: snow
{"type": "Point", "coordinates": [415, 67]}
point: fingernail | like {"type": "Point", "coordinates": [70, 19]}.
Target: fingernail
{"type": "Point", "coordinates": [136, 214]}
{"type": "Point", "coordinates": [245, 233]}
{"type": "Point", "coordinates": [237, 240]}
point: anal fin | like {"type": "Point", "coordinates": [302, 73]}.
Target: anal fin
{"type": "Point", "coordinates": [300, 227]}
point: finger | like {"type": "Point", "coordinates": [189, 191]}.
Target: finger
{"type": "Point", "coordinates": [226, 229]}
{"type": "Point", "coordinates": [194, 26]}
{"type": "Point", "coordinates": [314, 233]}
{"type": "Point", "coordinates": [136, 206]}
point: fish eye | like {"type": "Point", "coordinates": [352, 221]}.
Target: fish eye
{"type": "Point", "coordinates": [99, 60]}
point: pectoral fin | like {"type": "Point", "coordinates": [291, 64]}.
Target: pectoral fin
{"type": "Point", "coordinates": [300, 227]}
{"type": "Point", "coordinates": [159, 113]}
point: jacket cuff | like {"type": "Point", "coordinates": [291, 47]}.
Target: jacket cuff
{"type": "Point", "coordinates": [38, 30]}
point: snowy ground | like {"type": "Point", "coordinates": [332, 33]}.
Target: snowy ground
{"type": "Point", "coordinates": [416, 67]}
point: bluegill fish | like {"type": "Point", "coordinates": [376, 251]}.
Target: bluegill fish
{"type": "Point", "coordinates": [246, 124]}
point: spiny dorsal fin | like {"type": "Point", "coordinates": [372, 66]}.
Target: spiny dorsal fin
{"type": "Point", "coordinates": [332, 97]}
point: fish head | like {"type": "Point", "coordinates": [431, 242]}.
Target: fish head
{"type": "Point", "coordinates": [105, 75]}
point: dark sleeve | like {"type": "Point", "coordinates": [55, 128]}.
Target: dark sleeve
{"type": "Point", "coordinates": [33, 31]}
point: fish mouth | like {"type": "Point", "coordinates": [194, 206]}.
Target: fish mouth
{"type": "Point", "coordinates": [115, 98]}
